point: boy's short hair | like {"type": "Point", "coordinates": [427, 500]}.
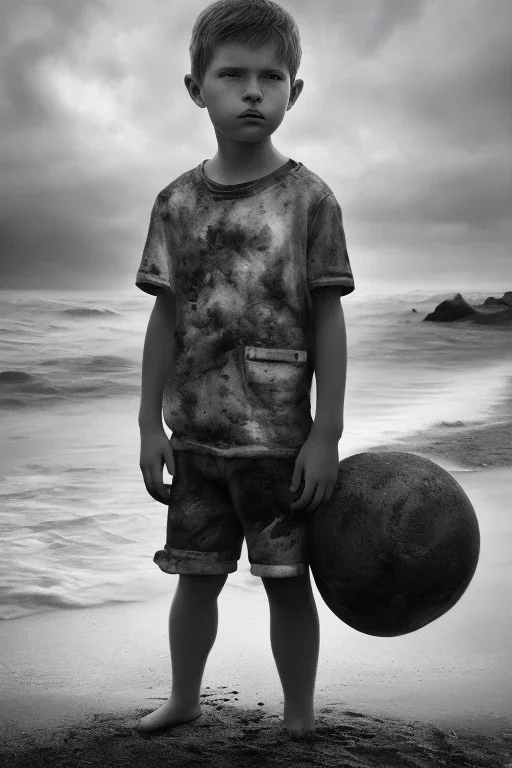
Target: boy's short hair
{"type": "Point", "coordinates": [252, 22]}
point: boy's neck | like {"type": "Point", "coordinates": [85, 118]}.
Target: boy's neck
{"type": "Point", "coordinates": [224, 171]}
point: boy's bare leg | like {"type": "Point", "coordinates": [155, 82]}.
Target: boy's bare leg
{"type": "Point", "coordinates": [193, 623]}
{"type": "Point", "coordinates": [295, 640]}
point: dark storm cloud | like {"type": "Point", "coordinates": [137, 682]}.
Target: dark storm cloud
{"type": "Point", "coordinates": [415, 193]}
{"type": "Point", "coordinates": [406, 113]}
{"type": "Point", "coordinates": [472, 107]}
{"type": "Point", "coordinates": [28, 34]}
{"type": "Point", "coordinates": [421, 128]}
{"type": "Point", "coordinates": [40, 222]}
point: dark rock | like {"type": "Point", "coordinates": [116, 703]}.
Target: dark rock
{"type": "Point", "coordinates": [451, 309]}
{"type": "Point", "coordinates": [505, 300]}
{"type": "Point", "coordinates": [503, 317]}
{"type": "Point", "coordinates": [415, 310]}
{"type": "Point", "coordinates": [493, 311]}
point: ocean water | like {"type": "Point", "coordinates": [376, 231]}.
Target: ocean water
{"type": "Point", "coordinates": [77, 525]}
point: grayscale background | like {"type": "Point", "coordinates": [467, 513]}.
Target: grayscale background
{"type": "Point", "coordinates": [406, 113]}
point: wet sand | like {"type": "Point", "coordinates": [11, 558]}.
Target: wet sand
{"type": "Point", "coordinates": [232, 737]}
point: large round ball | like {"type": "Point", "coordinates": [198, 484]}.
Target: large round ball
{"type": "Point", "coordinates": [397, 544]}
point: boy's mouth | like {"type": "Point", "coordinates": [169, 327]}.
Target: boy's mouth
{"type": "Point", "coordinates": [252, 114]}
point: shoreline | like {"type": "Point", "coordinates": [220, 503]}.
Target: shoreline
{"type": "Point", "coordinates": [473, 446]}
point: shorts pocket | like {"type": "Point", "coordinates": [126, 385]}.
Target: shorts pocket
{"type": "Point", "coordinates": [270, 370]}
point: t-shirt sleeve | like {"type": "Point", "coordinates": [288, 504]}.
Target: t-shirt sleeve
{"type": "Point", "coordinates": [328, 262]}
{"type": "Point", "coordinates": [155, 267]}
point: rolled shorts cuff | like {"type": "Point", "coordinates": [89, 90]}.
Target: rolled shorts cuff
{"type": "Point", "coordinates": [278, 571]}
{"type": "Point", "coordinates": [191, 562]}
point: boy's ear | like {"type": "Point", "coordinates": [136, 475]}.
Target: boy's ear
{"type": "Point", "coordinates": [295, 92]}
{"type": "Point", "coordinates": [194, 91]}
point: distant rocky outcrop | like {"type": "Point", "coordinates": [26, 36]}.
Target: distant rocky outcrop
{"type": "Point", "coordinates": [493, 311]}
{"type": "Point", "coordinates": [506, 299]}
{"type": "Point", "coordinates": [451, 309]}
{"type": "Point", "coordinates": [504, 317]}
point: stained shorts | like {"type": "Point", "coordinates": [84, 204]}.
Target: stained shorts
{"type": "Point", "coordinates": [215, 502]}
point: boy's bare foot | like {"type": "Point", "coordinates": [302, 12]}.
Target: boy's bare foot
{"type": "Point", "coordinates": [299, 724]}
{"type": "Point", "coordinates": [168, 715]}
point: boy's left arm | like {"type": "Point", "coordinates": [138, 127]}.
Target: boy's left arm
{"type": "Point", "coordinates": [318, 458]}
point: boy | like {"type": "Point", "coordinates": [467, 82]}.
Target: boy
{"type": "Point", "coordinates": [247, 259]}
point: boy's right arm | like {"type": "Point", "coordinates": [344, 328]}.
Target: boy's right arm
{"type": "Point", "coordinates": [157, 358]}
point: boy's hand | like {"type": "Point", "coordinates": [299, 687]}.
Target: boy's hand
{"type": "Point", "coordinates": [317, 464]}
{"type": "Point", "coordinates": [155, 449]}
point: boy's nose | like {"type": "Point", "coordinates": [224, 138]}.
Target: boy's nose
{"type": "Point", "coordinates": [252, 89]}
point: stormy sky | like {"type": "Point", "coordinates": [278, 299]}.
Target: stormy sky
{"type": "Point", "coordinates": [406, 113]}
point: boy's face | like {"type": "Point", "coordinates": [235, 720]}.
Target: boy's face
{"type": "Point", "coordinates": [240, 78]}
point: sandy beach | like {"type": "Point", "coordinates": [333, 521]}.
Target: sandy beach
{"type": "Point", "coordinates": [77, 681]}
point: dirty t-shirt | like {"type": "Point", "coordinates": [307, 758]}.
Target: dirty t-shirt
{"type": "Point", "coordinates": [241, 260]}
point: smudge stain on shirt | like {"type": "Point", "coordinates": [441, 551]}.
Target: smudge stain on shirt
{"type": "Point", "coordinates": [241, 261]}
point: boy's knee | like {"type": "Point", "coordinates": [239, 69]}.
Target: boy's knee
{"type": "Point", "coordinates": [274, 584]}
{"type": "Point", "coordinates": [203, 585]}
